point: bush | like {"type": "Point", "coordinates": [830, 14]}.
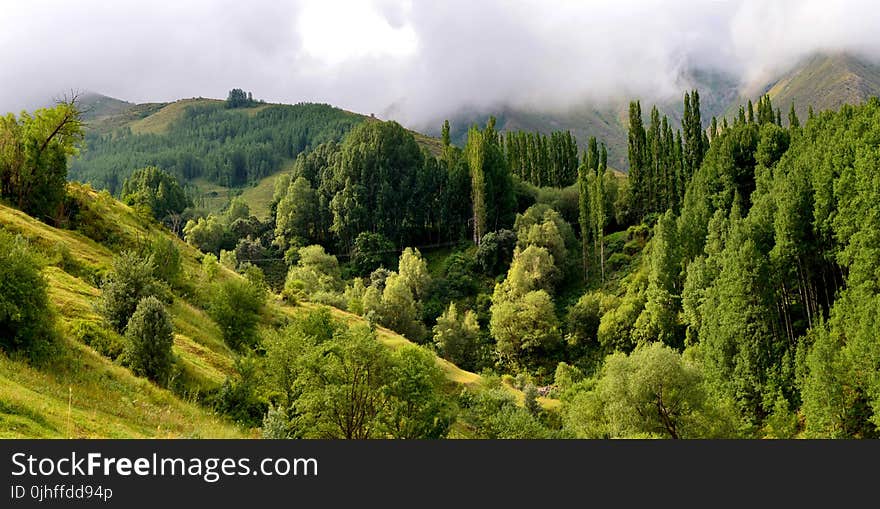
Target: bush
{"type": "Point", "coordinates": [617, 261]}
{"type": "Point", "coordinates": [166, 260]}
{"type": "Point", "coordinates": [237, 397]}
{"type": "Point", "coordinates": [236, 305]}
{"type": "Point", "coordinates": [496, 251]}
{"type": "Point", "coordinates": [130, 281]}
{"type": "Point", "coordinates": [26, 321]}
{"type": "Point", "coordinates": [105, 342]}
{"type": "Point", "coordinates": [149, 338]}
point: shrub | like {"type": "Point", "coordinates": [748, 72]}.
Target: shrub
{"type": "Point", "coordinates": [166, 260]}
{"type": "Point", "coordinates": [26, 321]}
{"type": "Point", "coordinates": [236, 305]}
{"type": "Point", "coordinates": [130, 281]}
{"type": "Point", "coordinates": [105, 342]}
{"type": "Point", "coordinates": [149, 338]}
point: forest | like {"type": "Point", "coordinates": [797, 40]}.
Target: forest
{"type": "Point", "coordinates": [725, 287]}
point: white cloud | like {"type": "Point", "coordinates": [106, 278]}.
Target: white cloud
{"type": "Point", "coordinates": [415, 59]}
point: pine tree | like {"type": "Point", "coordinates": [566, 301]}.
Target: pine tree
{"type": "Point", "coordinates": [445, 134]}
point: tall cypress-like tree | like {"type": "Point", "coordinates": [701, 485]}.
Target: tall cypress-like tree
{"type": "Point", "coordinates": [793, 120]}
{"type": "Point", "coordinates": [584, 216]}
{"type": "Point", "coordinates": [636, 153]}
{"type": "Point", "coordinates": [475, 152]}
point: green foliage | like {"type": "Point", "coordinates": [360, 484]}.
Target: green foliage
{"type": "Point", "coordinates": [225, 146]}
{"type": "Point", "coordinates": [237, 98]}
{"type": "Point", "coordinates": [106, 342]}
{"type": "Point", "coordinates": [33, 157]}
{"type": "Point", "coordinates": [26, 320]}
{"type": "Point", "coordinates": [296, 217]}
{"type": "Point", "coordinates": [653, 392]}
{"type": "Point", "coordinates": [157, 191]}
{"type": "Point", "coordinates": [457, 335]}
{"type": "Point", "coordinates": [236, 305]}
{"type": "Point", "coordinates": [371, 251]}
{"type": "Point", "coordinates": [492, 192]}
{"type": "Point", "coordinates": [238, 397]}
{"type": "Point", "coordinates": [542, 160]}
{"type": "Point", "coordinates": [525, 327]}
{"type": "Point", "coordinates": [130, 280]}
{"type": "Point", "coordinates": [148, 341]}
{"type": "Point", "coordinates": [495, 251]}
{"type": "Point", "coordinates": [492, 413]}
{"type": "Point", "coordinates": [316, 271]}
{"type": "Point", "coordinates": [417, 408]}
{"type": "Point", "coordinates": [400, 393]}
{"type": "Point", "coordinates": [166, 260]}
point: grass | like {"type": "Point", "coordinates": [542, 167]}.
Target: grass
{"type": "Point", "coordinates": [105, 399]}
{"type": "Point", "coordinates": [159, 121]}
{"type": "Point", "coordinates": [259, 196]}
{"type": "Point", "coordinates": [82, 394]}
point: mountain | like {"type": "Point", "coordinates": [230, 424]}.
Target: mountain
{"type": "Point", "coordinates": [607, 122]}
{"type": "Point", "coordinates": [95, 106]}
{"type": "Point", "coordinates": [825, 81]}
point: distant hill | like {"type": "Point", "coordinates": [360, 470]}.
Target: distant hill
{"type": "Point", "coordinates": [826, 82]}
{"type": "Point", "coordinates": [607, 122]}
{"type": "Point", "coordinates": [95, 106]}
{"type": "Point", "coordinates": [217, 152]}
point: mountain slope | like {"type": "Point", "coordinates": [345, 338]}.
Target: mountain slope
{"type": "Point", "coordinates": [826, 82]}
{"type": "Point", "coordinates": [607, 122]}
{"type": "Point", "coordinates": [82, 393]}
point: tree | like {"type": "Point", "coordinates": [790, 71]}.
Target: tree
{"type": "Point", "coordinates": [236, 305]}
{"type": "Point", "coordinates": [296, 217]}
{"type": "Point", "coordinates": [417, 406]}
{"type": "Point", "coordinates": [371, 251]}
{"type": "Point", "coordinates": [495, 251]}
{"type": "Point", "coordinates": [166, 260]}
{"type": "Point", "coordinates": [34, 150]}
{"type": "Point", "coordinates": [414, 271]}
{"type": "Point", "coordinates": [130, 280]}
{"type": "Point", "coordinates": [400, 311]}
{"type": "Point", "coordinates": [637, 161]}
{"type": "Point", "coordinates": [26, 320]}
{"type": "Point", "coordinates": [660, 317]}
{"type": "Point", "coordinates": [157, 191]}
{"type": "Point", "coordinates": [315, 271]}
{"type": "Point", "coordinates": [456, 336]}
{"type": "Point", "coordinates": [342, 387]}
{"type": "Point", "coordinates": [525, 328]}
{"type": "Point", "coordinates": [149, 338]}
{"type": "Point", "coordinates": [652, 392]}
{"type": "Point", "coordinates": [585, 217]}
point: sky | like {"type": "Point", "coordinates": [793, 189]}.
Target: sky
{"type": "Point", "coordinates": [415, 61]}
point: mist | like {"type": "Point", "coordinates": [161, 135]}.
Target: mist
{"type": "Point", "coordinates": [413, 61]}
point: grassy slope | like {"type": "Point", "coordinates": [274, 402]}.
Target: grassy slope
{"type": "Point", "coordinates": [106, 400]}
{"type": "Point", "coordinates": [825, 81]}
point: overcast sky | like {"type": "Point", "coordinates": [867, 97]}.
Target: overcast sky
{"type": "Point", "coordinates": [413, 60]}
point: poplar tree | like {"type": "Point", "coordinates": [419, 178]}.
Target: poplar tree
{"type": "Point", "coordinates": [636, 154]}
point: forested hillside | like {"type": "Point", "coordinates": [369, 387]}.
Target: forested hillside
{"type": "Point", "coordinates": [724, 287]}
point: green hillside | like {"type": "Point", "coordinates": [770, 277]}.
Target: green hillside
{"type": "Point", "coordinates": [82, 393]}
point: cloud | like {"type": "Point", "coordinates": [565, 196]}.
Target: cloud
{"type": "Point", "coordinates": [413, 60]}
